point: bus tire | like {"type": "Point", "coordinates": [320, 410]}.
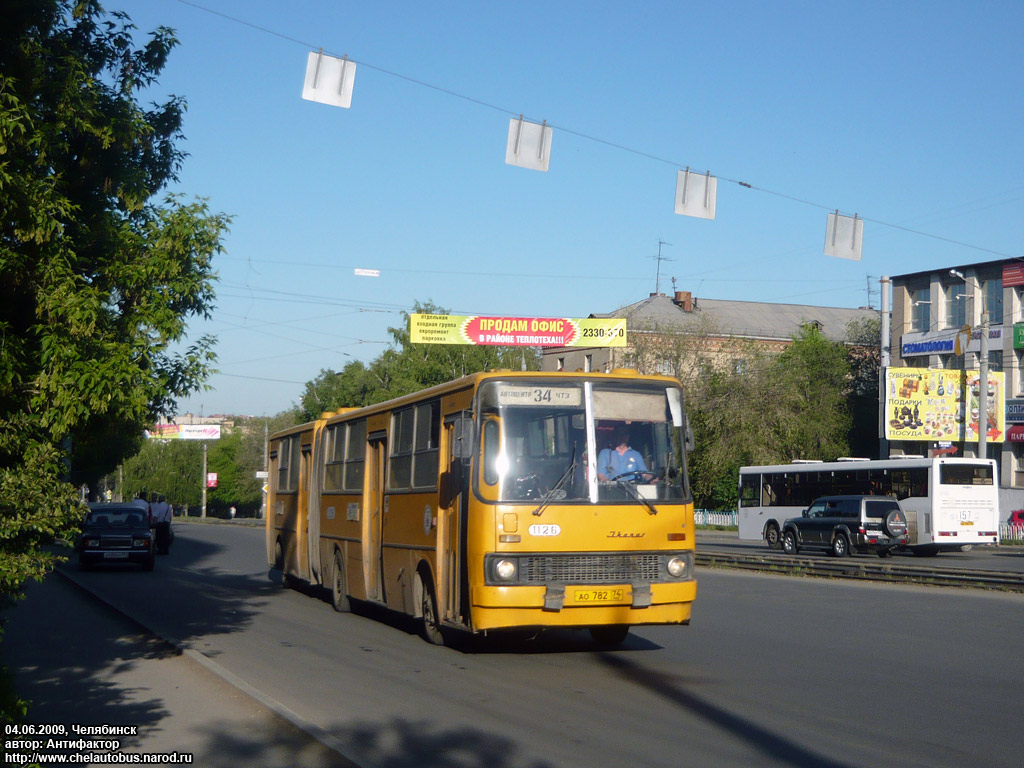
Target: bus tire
{"type": "Point", "coordinates": [789, 545]}
{"type": "Point", "coordinates": [771, 536]}
{"type": "Point", "coordinates": [609, 634]}
{"type": "Point", "coordinates": [840, 545]}
{"type": "Point", "coordinates": [339, 586]}
{"type": "Point", "coordinates": [430, 628]}
{"type": "Point", "coordinates": [278, 555]}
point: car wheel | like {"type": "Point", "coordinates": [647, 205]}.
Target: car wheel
{"type": "Point", "coordinates": [771, 537]}
{"type": "Point", "coordinates": [431, 627]}
{"type": "Point", "coordinates": [339, 590]}
{"type": "Point", "coordinates": [840, 545]}
{"type": "Point", "coordinates": [896, 524]}
{"type": "Point", "coordinates": [609, 634]}
{"type": "Point", "coordinates": [789, 545]}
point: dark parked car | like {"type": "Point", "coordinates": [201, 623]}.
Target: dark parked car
{"type": "Point", "coordinates": [844, 525]}
{"type": "Point", "coordinates": [116, 533]}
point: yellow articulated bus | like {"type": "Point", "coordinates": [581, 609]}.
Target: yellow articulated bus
{"type": "Point", "coordinates": [502, 500]}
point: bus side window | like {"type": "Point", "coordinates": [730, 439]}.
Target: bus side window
{"type": "Point", "coordinates": [492, 446]}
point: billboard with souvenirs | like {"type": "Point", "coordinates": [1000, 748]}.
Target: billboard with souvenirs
{"type": "Point", "coordinates": [517, 331]}
{"type": "Point", "coordinates": [942, 405]}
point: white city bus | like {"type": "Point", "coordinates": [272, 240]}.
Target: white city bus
{"type": "Point", "coordinates": [950, 503]}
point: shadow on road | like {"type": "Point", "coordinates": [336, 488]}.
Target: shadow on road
{"type": "Point", "coordinates": [759, 737]}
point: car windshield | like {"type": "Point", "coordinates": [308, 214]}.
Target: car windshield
{"type": "Point", "coordinates": [553, 441]}
{"type": "Point", "coordinates": [114, 517]}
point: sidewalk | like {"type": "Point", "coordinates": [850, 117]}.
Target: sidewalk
{"type": "Point", "coordinates": [80, 662]}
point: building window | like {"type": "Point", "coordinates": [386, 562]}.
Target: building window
{"type": "Point", "coordinates": [561, 364]}
{"type": "Point", "coordinates": [921, 310]}
{"type": "Point", "coordinates": [995, 360]}
{"type": "Point", "coordinates": [956, 306]}
{"type": "Point", "coordinates": [994, 301]}
{"type": "Point", "coordinates": [588, 363]}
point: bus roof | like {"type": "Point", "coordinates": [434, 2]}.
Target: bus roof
{"type": "Point", "coordinates": [804, 466]}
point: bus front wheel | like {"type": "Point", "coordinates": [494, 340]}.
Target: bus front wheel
{"type": "Point", "coordinates": [771, 537]}
{"type": "Point", "coordinates": [431, 627]}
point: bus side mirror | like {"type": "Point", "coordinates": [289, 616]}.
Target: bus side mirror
{"type": "Point", "coordinates": [462, 438]}
{"type": "Point", "coordinates": [688, 441]}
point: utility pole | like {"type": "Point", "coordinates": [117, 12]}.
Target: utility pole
{"type": "Point", "coordinates": [203, 513]}
{"type": "Point", "coordinates": [885, 350]}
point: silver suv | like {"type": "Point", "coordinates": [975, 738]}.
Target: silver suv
{"type": "Point", "coordinates": [844, 525]}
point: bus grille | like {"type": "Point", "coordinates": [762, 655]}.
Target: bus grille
{"type": "Point", "coordinates": [590, 569]}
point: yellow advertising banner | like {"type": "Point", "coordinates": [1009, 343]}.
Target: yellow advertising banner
{"type": "Point", "coordinates": [517, 331]}
{"type": "Point", "coordinates": [941, 404]}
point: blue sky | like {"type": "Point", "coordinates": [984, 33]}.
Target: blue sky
{"type": "Point", "coordinates": [907, 114]}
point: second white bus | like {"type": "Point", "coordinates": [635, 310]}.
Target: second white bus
{"type": "Point", "coordinates": [951, 503]}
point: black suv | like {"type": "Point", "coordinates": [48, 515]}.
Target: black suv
{"type": "Point", "coordinates": [847, 524]}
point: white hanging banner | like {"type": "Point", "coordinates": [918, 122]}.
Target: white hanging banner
{"type": "Point", "coordinates": [844, 236]}
{"type": "Point", "coordinates": [529, 144]}
{"type": "Point", "coordinates": [696, 195]}
{"type": "Point", "coordinates": [329, 80]}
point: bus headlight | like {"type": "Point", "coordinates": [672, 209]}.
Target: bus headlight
{"type": "Point", "coordinates": [677, 566]}
{"type": "Point", "coordinates": [505, 570]}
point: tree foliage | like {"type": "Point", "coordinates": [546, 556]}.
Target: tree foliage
{"type": "Point", "coordinates": [749, 404]}
{"type": "Point", "coordinates": [405, 368]}
{"type": "Point", "coordinates": [98, 279]}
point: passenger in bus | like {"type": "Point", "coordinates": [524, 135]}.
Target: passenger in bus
{"type": "Point", "coordinates": [621, 460]}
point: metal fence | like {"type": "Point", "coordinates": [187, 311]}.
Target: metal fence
{"type": "Point", "coordinates": [710, 517]}
{"type": "Point", "coordinates": [1011, 532]}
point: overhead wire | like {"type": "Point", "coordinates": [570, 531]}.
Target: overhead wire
{"type": "Point", "coordinates": [596, 139]}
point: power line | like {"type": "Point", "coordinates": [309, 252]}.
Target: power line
{"type": "Point", "coordinates": [588, 137]}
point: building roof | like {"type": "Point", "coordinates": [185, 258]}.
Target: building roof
{"type": "Point", "coordinates": [744, 319]}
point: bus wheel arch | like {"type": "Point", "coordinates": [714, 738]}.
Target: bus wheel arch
{"type": "Point", "coordinates": [425, 606]}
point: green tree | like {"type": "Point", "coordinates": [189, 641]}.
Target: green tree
{"type": "Point", "coordinates": [171, 467]}
{"type": "Point", "coordinates": [865, 356]}
{"type": "Point", "coordinates": [98, 279]}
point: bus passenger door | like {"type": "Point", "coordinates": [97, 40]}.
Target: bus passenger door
{"type": "Point", "coordinates": [453, 587]}
{"type": "Point", "coordinates": [373, 520]}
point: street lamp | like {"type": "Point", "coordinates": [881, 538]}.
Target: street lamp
{"type": "Point", "coordinates": [982, 377]}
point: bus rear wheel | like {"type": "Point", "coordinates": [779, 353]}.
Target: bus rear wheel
{"type": "Point", "coordinates": [609, 634]}
{"type": "Point", "coordinates": [772, 538]}
{"type": "Point", "coordinates": [339, 589]}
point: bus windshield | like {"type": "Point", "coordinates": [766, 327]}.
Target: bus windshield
{"type": "Point", "coordinates": [582, 442]}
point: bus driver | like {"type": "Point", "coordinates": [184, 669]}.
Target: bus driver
{"type": "Point", "coordinates": [614, 463]}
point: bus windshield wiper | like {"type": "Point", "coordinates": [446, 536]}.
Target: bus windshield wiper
{"type": "Point", "coordinates": [631, 489]}
{"type": "Point", "coordinates": [554, 493]}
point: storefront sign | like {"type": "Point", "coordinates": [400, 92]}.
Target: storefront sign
{"type": "Point", "coordinates": [1018, 335]}
{"type": "Point", "coordinates": [1015, 411]}
{"type": "Point", "coordinates": [1015, 434]}
{"type": "Point", "coordinates": [517, 331]}
{"type": "Point", "coordinates": [1013, 274]}
{"type": "Point", "coordinates": [926, 347]}
{"type": "Point", "coordinates": [932, 404]}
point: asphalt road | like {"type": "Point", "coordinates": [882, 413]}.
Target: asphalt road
{"type": "Point", "coordinates": [773, 671]}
